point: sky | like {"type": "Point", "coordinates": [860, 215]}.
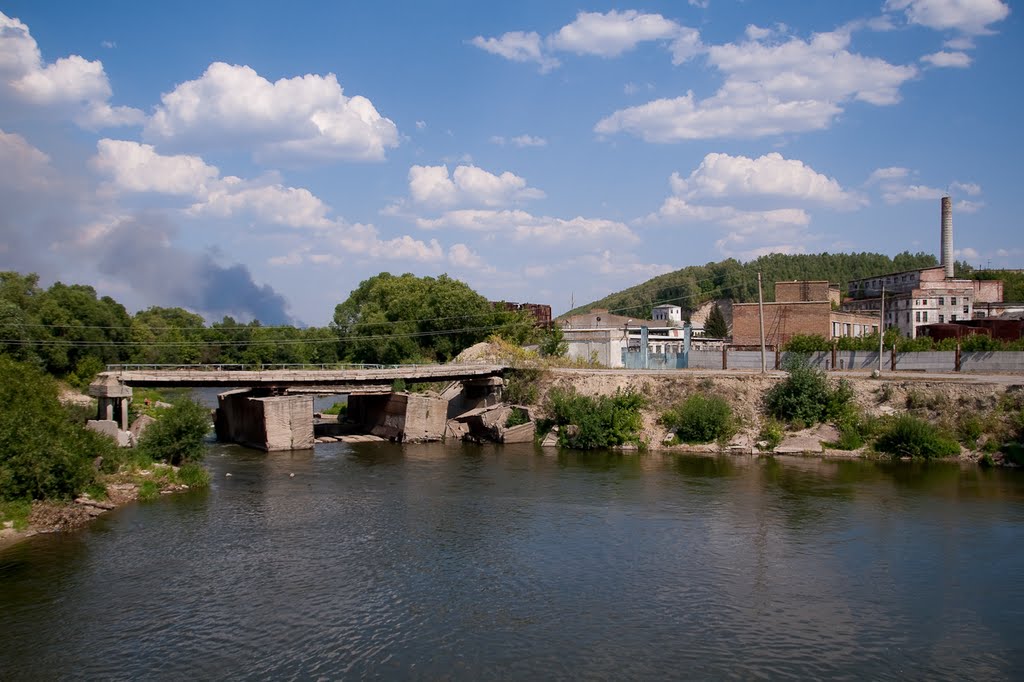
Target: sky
{"type": "Point", "coordinates": [261, 159]}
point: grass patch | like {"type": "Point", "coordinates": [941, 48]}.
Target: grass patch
{"type": "Point", "coordinates": [17, 512]}
{"type": "Point", "coordinates": [149, 491]}
{"type": "Point", "coordinates": [516, 417]}
{"type": "Point", "coordinates": [909, 436]}
{"type": "Point", "coordinates": [338, 408]}
{"type": "Point", "coordinates": [193, 475]}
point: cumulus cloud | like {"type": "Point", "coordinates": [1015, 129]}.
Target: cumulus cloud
{"type": "Point", "coordinates": [523, 226]}
{"type": "Point", "coordinates": [966, 206]}
{"type": "Point", "coordinates": [467, 186]}
{"type": "Point", "coordinates": [461, 256]}
{"type": "Point", "coordinates": [898, 193]}
{"type": "Point", "coordinates": [346, 241]}
{"type": "Point", "coordinates": [896, 190]}
{"type": "Point", "coordinates": [306, 117]}
{"type": "Point", "coordinates": [518, 46]}
{"type": "Point", "coordinates": [770, 89]}
{"type": "Point", "coordinates": [721, 176]}
{"type": "Point", "coordinates": [71, 86]}
{"type": "Point", "coordinates": [969, 188]}
{"type": "Point", "coordinates": [134, 167]}
{"type": "Point", "coordinates": [971, 17]}
{"type": "Point", "coordinates": [595, 34]}
{"type": "Point", "coordinates": [956, 60]}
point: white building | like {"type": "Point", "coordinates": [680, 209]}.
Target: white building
{"type": "Point", "coordinates": [667, 313]}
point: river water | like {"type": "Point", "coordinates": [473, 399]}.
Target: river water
{"type": "Point", "coordinates": [443, 561]}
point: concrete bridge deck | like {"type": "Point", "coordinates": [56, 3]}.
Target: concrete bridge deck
{"type": "Point", "coordinates": [293, 377]}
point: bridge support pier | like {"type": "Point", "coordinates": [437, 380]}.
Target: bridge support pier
{"type": "Point", "coordinates": [113, 399]}
{"type": "Point", "coordinates": [282, 422]}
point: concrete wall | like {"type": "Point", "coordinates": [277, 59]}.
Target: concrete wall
{"type": "Point", "coordinates": [634, 360]}
{"type": "Point", "coordinates": [400, 416]}
{"type": "Point", "coordinates": [274, 423]}
{"type": "Point", "coordinates": [929, 361]}
{"type": "Point", "coordinates": [1003, 361]}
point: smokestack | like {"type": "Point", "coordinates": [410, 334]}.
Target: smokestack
{"type": "Point", "coordinates": [947, 236]}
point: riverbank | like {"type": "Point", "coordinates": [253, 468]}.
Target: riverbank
{"type": "Point", "coordinates": [980, 413]}
{"type": "Point", "coordinates": [114, 491]}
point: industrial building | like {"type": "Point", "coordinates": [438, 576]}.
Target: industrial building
{"type": "Point", "coordinates": [800, 308]}
{"type": "Point", "coordinates": [927, 296]}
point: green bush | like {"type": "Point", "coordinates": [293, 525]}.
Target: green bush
{"type": "Point", "coordinates": [806, 343]}
{"type": "Point", "coordinates": [177, 435]}
{"type": "Point", "coordinates": [908, 436]}
{"type": "Point", "coordinates": [771, 435]}
{"type": "Point", "coordinates": [338, 408]}
{"type": "Point", "coordinates": [521, 386]}
{"type": "Point", "coordinates": [589, 423]}
{"type": "Point", "coordinates": [805, 397]}
{"type": "Point", "coordinates": [700, 419]}
{"type": "Point", "coordinates": [516, 417]}
{"type": "Point", "coordinates": [44, 453]}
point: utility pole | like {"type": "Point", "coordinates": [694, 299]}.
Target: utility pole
{"type": "Point", "coordinates": [881, 327]}
{"type": "Point", "coordinates": [760, 318]}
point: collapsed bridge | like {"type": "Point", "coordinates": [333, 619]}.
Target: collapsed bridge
{"type": "Point", "coordinates": [271, 408]}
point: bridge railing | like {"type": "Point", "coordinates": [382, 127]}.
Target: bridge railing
{"type": "Point", "coordinates": [257, 367]}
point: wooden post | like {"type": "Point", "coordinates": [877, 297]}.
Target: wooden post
{"type": "Point", "coordinates": [778, 357]}
{"type": "Point", "coordinates": [958, 357]}
{"type": "Point", "coordinates": [725, 362]}
{"type": "Point", "coordinates": [835, 347]}
{"type": "Point", "coordinates": [892, 358]}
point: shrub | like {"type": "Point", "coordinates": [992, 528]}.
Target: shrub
{"type": "Point", "coordinates": [516, 417]}
{"type": "Point", "coordinates": [177, 435]}
{"type": "Point", "coordinates": [770, 435]}
{"type": "Point", "coordinates": [590, 423]}
{"type": "Point", "coordinates": [700, 419]}
{"type": "Point", "coordinates": [44, 453]}
{"type": "Point", "coordinates": [908, 436]}
{"type": "Point", "coordinates": [521, 386]}
{"type": "Point", "coordinates": [969, 429]}
{"type": "Point", "coordinates": [805, 396]}
{"type": "Point", "coordinates": [806, 343]}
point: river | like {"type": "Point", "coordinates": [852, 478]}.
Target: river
{"type": "Point", "coordinates": [443, 561]}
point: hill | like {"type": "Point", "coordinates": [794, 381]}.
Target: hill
{"type": "Point", "coordinates": [695, 284]}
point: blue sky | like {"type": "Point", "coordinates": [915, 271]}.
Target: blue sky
{"type": "Point", "coordinates": [260, 160]}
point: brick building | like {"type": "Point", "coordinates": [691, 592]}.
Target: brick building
{"type": "Point", "coordinates": [801, 307]}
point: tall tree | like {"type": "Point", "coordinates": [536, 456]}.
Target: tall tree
{"type": "Point", "coordinates": [715, 326]}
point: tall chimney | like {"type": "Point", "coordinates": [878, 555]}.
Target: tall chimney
{"type": "Point", "coordinates": [947, 236]}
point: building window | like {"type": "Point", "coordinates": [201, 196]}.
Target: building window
{"type": "Point", "coordinates": [908, 318]}
{"type": "Point", "coordinates": [967, 310]}
{"type": "Point", "coordinates": [924, 316]}
{"type": "Point", "coordinates": [942, 300]}
{"type": "Point", "coordinates": [917, 316]}
{"type": "Point", "coordinates": [942, 318]}
{"type": "Point", "coordinates": [835, 329]}
{"type": "Point", "coordinates": [952, 318]}
{"type": "Point", "coordinates": [952, 300]}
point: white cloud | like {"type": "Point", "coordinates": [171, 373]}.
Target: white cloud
{"type": "Point", "coordinates": [522, 226]}
{"type": "Point", "coordinates": [721, 176]}
{"type": "Point", "coordinates": [966, 252]}
{"type": "Point", "coordinates": [956, 60]}
{"type": "Point", "coordinates": [337, 248]}
{"type": "Point", "coordinates": [703, 4]}
{"type": "Point", "coordinates": [462, 256]}
{"type": "Point", "coordinates": [965, 206]}
{"type": "Point", "coordinates": [71, 85]}
{"type": "Point", "coordinates": [518, 46]}
{"type": "Point", "coordinates": [306, 116]}
{"type": "Point", "coordinates": [595, 34]}
{"type": "Point", "coordinates": [520, 141]}
{"type": "Point", "coordinates": [135, 167]}
{"type": "Point", "coordinates": [769, 89]}
{"type": "Point", "coordinates": [890, 173]}
{"type": "Point", "coordinates": [611, 34]}
{"type": "Point", "coordinates": [895, 193]}
{"type": "Point", "coordinates": [291, 206]}
{"type": "Point", "coordinates": [467, 186]}
{"type": "Point", "coordinates": [972, 189]}
{"type": "Point", "coordinates": [971, 17]}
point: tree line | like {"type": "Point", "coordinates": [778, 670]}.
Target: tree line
{"type": "Point", "coordinates": [71, 332]}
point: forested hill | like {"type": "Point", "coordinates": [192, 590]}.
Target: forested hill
{"type": "Point", "coordinates": [695, 284]}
